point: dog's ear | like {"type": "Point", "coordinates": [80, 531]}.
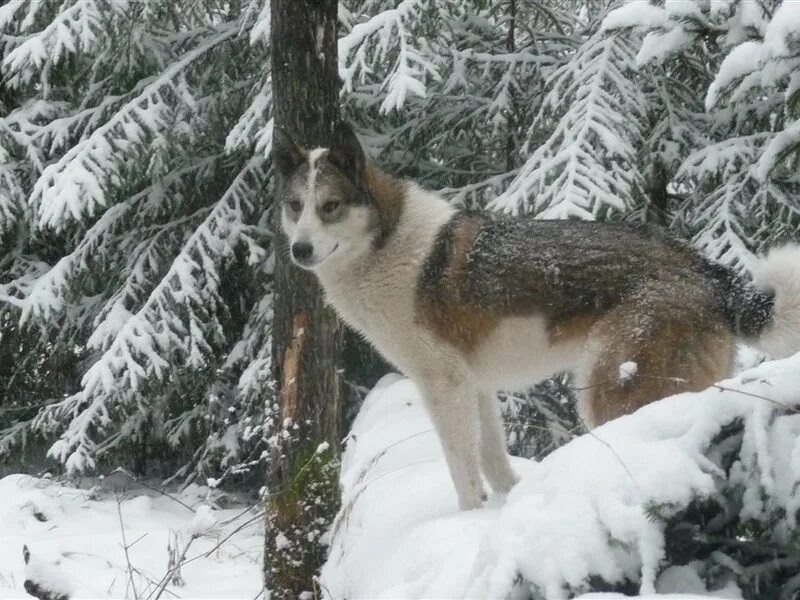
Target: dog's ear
{"type": "Point", "coordinates": [286, 154]}
{"type": "Point", "coordinates": [347, 155]}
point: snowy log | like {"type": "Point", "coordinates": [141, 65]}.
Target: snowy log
{"type": "Point", "coordinates": [594, 510]}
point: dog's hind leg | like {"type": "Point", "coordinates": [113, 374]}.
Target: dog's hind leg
{"type": "Point", "coordinates": [494, 455]}
{"type": "Point", "coordinates": [676, 344]}
{"type": "Point", "coordinates": [452, 404]}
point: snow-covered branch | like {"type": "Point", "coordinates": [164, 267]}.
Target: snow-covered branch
{"type": "Point", "coordinates": [141, 351]}
{"type": "Point", "coordinates": [587, 166]}
{"type": "Point", "coordinates": [75, 187]}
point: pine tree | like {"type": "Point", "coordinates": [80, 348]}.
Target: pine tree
{"type": "Point", "coordinates": [139, 252]}
{"type": "Point", "coordinates": [587, 168]}
{"type": "Point", "coordinates": [738, 170]}
{"type": "Point", "coordinates": [444, 92]}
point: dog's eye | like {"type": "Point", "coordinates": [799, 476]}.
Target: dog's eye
{"type": "Point", "coordinates": [295, 206]}
{"type": "Point", "coordinates": [330, 207]}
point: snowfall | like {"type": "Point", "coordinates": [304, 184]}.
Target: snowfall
{"type": "Point", "coordinates": [399, 533]}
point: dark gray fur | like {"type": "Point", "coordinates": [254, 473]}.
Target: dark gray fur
{"type": "Point", "coordinates": [566, 269]}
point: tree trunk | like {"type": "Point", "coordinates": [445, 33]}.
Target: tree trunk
{"type": "Point", "coordinates": [302, 487]}
{"type": "Point", "coordinates": [511, 48]}
{"type": "Point", "coordinates": [658, 196]}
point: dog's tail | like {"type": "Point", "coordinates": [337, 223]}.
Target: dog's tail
{"type": "Point", "coordinates": [777, 281]}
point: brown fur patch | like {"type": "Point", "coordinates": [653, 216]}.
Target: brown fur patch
{"type": "Point", "coordinates": [572, 328]}
{"type": "Point", "coordinates": [388, 194]}
{"type": "Point", "coordinates": [445, 307]}
{"type": "Point", "coordinates": [678, 346]}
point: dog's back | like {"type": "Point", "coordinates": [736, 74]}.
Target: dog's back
{"type": "Point", "coordinates": [598, 295]}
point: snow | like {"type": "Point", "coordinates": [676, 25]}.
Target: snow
{"type": "Point", "coordinates": [780, 146]}
{"type": "Point", "coordinates": [639, 13]}
{"type": "Point", "coordinates": [684, 579]}
{"type": "Point", "coordinates": [602, 596]}
{"type": "Point", "coordinates": [592, 174]}
{"type": "Point", "coordinates": [48, 576]}
{"type": "Point", "coordinates": [407, 76]}
{"type": "Point", "coordinates": [628, 370]}
{"type": "Point", "coordinates": [75, 541]}
{"type": "Point", "coordinates": [204, 520]}
{"type": "Point", "coordinates": [683, 9]}
{"type": "Point", "coordinates": [137, 352]}
{"type": "Point", "coordinates": [783, 29]}
{"type": "Point", "coordinates": [744, 18]}
{"type": "Point", "coordinates": [742, 60]}
{"type": "Point", "coordinates": [658, 45]}
{"type": "Point", "coordinates": [578, 513]}
{"type": "Point", "coordinates": [754, 60]}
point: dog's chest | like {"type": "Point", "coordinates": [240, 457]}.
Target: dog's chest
{"type": "Point", "coordinates": [379, 303]}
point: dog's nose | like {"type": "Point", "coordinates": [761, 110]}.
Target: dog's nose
{"type": "Point", "coordinates": [302, 251]}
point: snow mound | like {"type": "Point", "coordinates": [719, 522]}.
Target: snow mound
{"type": "Point", "coordinates": [45, 577]}
{"type": "Point", "coordinates": [203, 522]}
{"type": "Point", "coordinates": [76, 543]}
{"type": "Point", "coordinates": [581, 512]}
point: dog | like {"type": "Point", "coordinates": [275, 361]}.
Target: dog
{"type": "Point", "coordinates": [466, 303]}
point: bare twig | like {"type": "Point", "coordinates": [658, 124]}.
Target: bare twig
{"type": "Point", "coordinates": [6, 582]}
{"type": "Point", "coordinates": [168, 495]}
{"type": "Point", "coordinates": [237, 516]}
{"type": "Point", "coordinates": [183, 561]}
{"type": "Point", "coordinates": [125, 547]}
{"type": "Point", "coordinates": [614, 452]}
{"type": "Point", "coordinates": [161, 586]}
{"type": "Point", "coordinates": [173, 561]}
{"type": "Point", "coordinates": [788, 407]}
{"type": "Point", "coordinates": [616, 382]}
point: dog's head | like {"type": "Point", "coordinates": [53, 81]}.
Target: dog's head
{"type": "Point", "coordinates": [326, 210]}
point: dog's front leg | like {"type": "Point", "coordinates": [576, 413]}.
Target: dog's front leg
{"type": "Point", "coordinates": [494, 455]}
{"type": "Point", "coordinates": [452, 404]}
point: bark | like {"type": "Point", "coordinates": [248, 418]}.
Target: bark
{"type": "Point", "coordinates": [658, 195]}
{"type": "Point", "coordinates": [511, 47]}
{"type": "Point", "coordinates": [302, 486]}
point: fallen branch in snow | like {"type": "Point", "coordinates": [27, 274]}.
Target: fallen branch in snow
{"type": "Point", "coordinates": [120, 481]}
{"type": "Point", "coordinates": [166, 495]}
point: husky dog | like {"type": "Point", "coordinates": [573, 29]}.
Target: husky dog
{"type": "Point", "coordinates": [470, 303]}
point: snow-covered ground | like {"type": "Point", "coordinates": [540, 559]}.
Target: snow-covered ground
{"type": "Point", "coordinates": [580, 512]}
{"type": "Point", "coordinates": [76, 543]}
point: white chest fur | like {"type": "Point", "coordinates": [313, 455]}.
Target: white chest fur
{"type": "Point", "coordinates": [376, 295]}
